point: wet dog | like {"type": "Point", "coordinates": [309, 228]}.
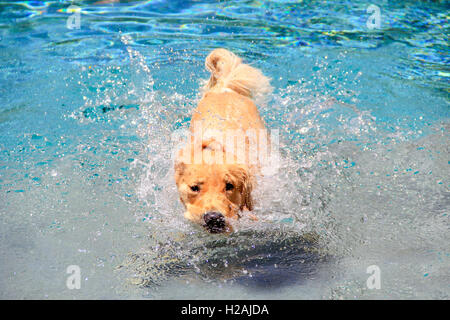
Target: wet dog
{"type": "Point", "coordinates": [215, 171]}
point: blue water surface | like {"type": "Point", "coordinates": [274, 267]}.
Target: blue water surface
{"type": "Point", "coordinates": [87, 115]}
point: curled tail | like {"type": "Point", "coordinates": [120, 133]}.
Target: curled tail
{"type": "Point", "coordinates": [228, 72]}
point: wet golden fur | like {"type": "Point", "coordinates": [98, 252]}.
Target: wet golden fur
{"type": "Point", "coordinates": [227, 104]}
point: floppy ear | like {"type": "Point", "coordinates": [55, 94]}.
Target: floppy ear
{"type": "Point", "coordinates": [246, 187]}
{"type": "Point", "coordinates": [179, 170]}
{"type": "Point", "coordinates": [247, 200]}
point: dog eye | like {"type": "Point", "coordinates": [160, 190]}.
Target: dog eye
{"type": "Point", "coordinates": [229, 187]}
{"type": "Point", "coordinates": [195, 188]}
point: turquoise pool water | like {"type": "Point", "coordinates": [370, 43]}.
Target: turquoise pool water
{"type": "Point", "coordinates": [87, 117]}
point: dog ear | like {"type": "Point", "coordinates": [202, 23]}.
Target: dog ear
{"type": "Point", "coordinates": [247, 200]}
{"type": "Point", "coordinates": [246, 187]}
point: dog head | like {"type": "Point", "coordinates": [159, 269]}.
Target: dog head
{"type": "Point", "coordinates": [214, 193]}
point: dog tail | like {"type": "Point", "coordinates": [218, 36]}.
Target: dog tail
{"type": "Point", "coordinates": [228, 72]}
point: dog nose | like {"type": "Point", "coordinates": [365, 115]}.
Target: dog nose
{"type": "Point", "coordinates": [215, 222]}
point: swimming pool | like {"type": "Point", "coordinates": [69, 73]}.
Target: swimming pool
{"type": "Point", "coordinates": [92, 94]}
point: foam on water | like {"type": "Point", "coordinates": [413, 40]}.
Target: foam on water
{"type": "Point", "coordinates": [351, 189]}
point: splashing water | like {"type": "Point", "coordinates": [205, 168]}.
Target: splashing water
{"type": "Point", "coordinates": [88, 121]}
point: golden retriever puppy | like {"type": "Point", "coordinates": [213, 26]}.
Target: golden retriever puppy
{"type": "Point", "coordinates": [215, 171]}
